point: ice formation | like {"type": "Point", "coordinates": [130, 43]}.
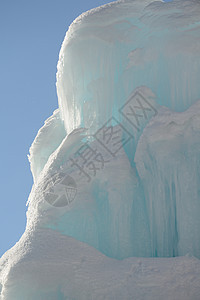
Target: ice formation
{"type": "Point", "coordinates": [114, 209]}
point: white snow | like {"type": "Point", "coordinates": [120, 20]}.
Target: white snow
{"type": "Point", "coordinates": [114, 209]}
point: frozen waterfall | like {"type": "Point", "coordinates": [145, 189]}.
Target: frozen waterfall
{"type": "Point", "coordinates": [114, 209]}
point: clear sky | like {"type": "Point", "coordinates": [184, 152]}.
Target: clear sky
{"type": "Point", "coordinates": [31, 34]}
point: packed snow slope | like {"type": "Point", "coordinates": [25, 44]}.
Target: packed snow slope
{"type": "Point", "coordinates": [114, 209]}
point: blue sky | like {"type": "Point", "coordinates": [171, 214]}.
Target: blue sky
{"type": "Point", "coordinates": [31, 35]}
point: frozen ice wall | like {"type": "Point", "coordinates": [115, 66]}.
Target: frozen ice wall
{"type": "Point", "coordinates": [111, 56]}
{"type": "Point", "coordinates": [110, 51]}
{"type": "Point", "coordinates": [116, 197]}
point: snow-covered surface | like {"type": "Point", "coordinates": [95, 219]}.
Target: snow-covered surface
{"type": "Point", "coordinates": [114, 209]}
{"type": "Point", "coordinates": [48, 265]}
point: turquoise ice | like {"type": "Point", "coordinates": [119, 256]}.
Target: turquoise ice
{"type": "Point", "coordinates": [114, 209]}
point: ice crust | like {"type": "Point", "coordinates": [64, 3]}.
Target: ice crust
{"type": "Point", "coordinates": [129, 229]}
